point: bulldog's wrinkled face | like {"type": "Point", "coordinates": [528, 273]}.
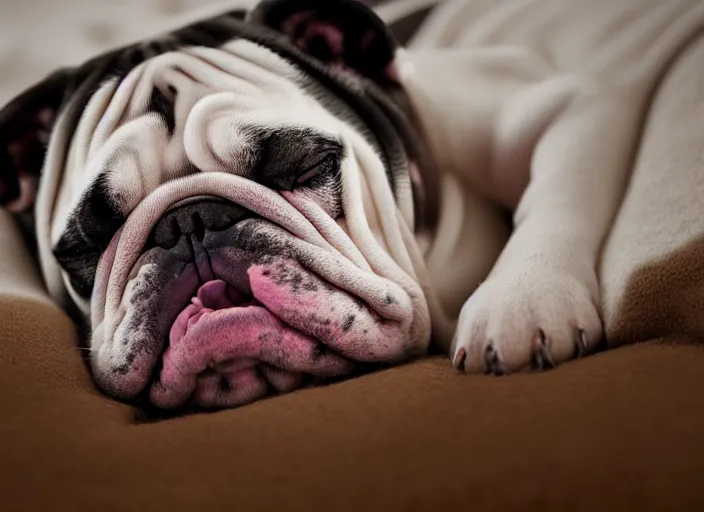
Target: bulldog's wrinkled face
{"type": "Point", "coordinates": [260, 120]}
{"type": "Point", "coordinates": [218, 204]}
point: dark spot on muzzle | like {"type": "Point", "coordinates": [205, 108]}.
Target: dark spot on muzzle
{"type": "Point", "coordinates": [319, 351]}
{"type": "Point", "coordinates": [347, 325]}
{"type": "Point", "coordinates": [294, 279]}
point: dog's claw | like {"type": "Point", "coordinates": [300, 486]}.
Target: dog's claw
{"type": "Point", "coordinates": [460, 358]}
{"type": "Point", "coordinates": [580, 344]}
{"type": "Point", "coordinates": [541, 358]}
{"type": "Point", "coordinates": [492, 361]}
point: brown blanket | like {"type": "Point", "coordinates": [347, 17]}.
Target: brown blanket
{"type": "Point", "coordinates": [617, 431]}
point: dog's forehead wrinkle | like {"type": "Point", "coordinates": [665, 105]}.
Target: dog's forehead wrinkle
{"type": "Point", "coordinates": [165, 109]}
{"type": "Point", "coordinates": [118, 63]}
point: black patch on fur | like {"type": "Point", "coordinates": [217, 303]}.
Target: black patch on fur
{"type": "Point", "coordinates": [122, 369]}
{"type": "Point", "coordinates": [88, 232]}
{"type": "Point", "coordinates": [282, 155]}
{"type": "Point", "coordinates": [163, 106]}
{"type": "Point", "coordinates": [319, 350]}
{"type": "Point", "coordinates": [295, 279]}
{"type": "Point", "coordinates": [347, 325]}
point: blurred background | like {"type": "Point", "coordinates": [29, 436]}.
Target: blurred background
{"type": "Point", "coordinates": [38, 36]}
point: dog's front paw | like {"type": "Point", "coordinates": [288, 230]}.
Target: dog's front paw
{"type": "Point", "coordinates": [512, 321]}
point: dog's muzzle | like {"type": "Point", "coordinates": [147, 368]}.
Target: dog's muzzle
{"type": "Point", "coordinates": [223, 307]}
{"type": "Point", "coordinates": [222, 345]}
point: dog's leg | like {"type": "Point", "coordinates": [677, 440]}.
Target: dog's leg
{"type": "Point", "coordinates": [540, 303]}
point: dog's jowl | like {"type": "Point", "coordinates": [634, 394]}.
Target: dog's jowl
{"type": "Point", "coordinates": [286, 195]}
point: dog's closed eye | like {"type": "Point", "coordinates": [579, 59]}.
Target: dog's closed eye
{"type": "Point", "coordinates": [292, 157]}
{"type": "Point", "coordinates": [330, 163]}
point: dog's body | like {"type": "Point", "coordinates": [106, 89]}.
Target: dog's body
{"type": "Point", "coordinates": [545, 107]}
{"type": "Point", "coordinates": [562, 114]}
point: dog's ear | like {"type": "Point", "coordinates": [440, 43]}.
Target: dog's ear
{"type": "Point", "coordinates": [25, 126]}
{"type": "Point", "coordinates": [344, 33]}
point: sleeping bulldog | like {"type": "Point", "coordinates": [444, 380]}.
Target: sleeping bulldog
{"type": "Point", "coordinates": [285, 195]}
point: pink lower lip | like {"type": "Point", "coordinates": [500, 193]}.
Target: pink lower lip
{"type": "Point", "coordinates": [225, 348]}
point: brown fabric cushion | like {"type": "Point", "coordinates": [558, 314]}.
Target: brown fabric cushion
{"type": "Point", "coordinates": [620, 430]}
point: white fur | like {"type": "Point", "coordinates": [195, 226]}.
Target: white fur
{"type": "Point", "coordinates": [538, 105]}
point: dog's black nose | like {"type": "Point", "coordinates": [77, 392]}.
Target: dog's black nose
{"type": "Point", "coordinates": [193, 219]}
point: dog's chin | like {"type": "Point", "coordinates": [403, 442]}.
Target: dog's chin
{"type": "Point", "coordinates": [232, 316]}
